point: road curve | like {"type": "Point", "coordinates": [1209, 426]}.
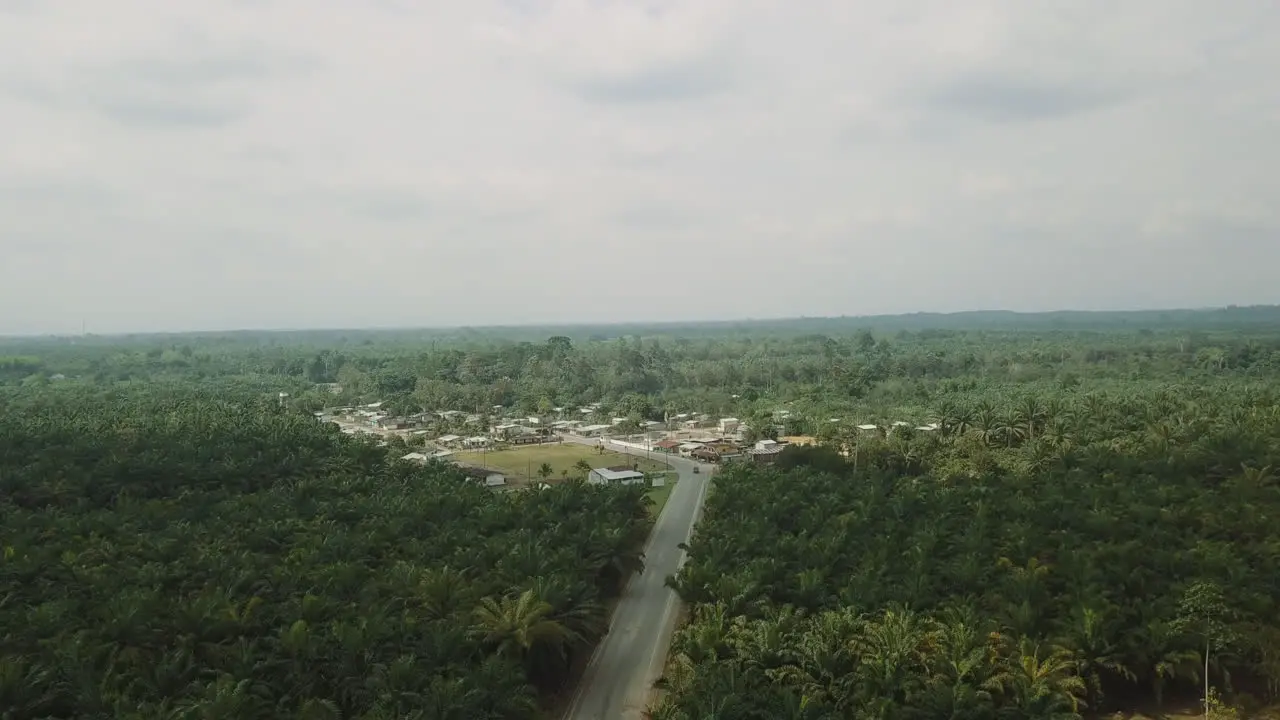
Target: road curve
{"type": "Point", "coordinates": [618, 679]}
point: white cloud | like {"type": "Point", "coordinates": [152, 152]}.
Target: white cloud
{"type": "Point", "coordinates": [286, 163]}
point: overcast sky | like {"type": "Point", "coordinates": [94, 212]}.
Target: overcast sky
{"type": "Point", "coordinates": [212, 164]}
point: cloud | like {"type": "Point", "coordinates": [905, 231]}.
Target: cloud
{"type": "Point", "coordinates": [1010, 99]}
{"type": "Point", "coordinates": [684, 82]}
{"type": "Point", "coordinates": [277, 163]}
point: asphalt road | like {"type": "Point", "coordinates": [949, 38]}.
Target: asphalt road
{"type": "Point", "coordinates": [617, 682]}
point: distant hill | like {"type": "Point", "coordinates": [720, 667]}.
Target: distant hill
{"type": "Point", "coordinates": [1231, 317]}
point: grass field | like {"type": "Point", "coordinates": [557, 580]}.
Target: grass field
{"type": "Point", "coordinates": [522, 463]}
{"type": "Point", "coordinates": [659, 495]}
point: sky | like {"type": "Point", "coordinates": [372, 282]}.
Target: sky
{"type": "Point", "coordinates": [220, 164]}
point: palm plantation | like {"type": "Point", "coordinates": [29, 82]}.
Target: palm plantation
{"type": "Point", "coordinates": [1056, 516]}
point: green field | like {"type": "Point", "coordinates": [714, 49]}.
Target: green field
{"type": "Point", "coordinates": [523, 462]}
{"type": "Point", "coordinates": [659, 495]}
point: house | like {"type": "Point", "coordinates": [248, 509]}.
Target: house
{"type": "Point", "coordinates": [667, 446]}
{"type": "Point", "coordinates": [729, 425]}
{"type": "Point", "coordinates": [448, 440]}
{"type": "Point", "coordinates": [476, 441]}
{"type": "Point", "coordinates": [766, 452]}
{"type": "Point", "coordinates": [486, 477]}
{"type": "Point", "coordinates": [611, 476]}
{"type": "Point", "coordinates": [593, 430]}
{"type": "Point", "coordinates": [416, 457]}
{"type": "Point", "coordinates": [798, 440]}
{"type": "Point", "coordinates": [687, 449]}
{"type": "Point", "coordinates": [531, 439]}
{"type": "Point", "coordinates": [508, 431]}
{"type": "Point", "coordinates": [617, 420]}
{"type": "Point", "coordinates": [719, 451]}
{"type": "Point", "coordinates": [705, 454]}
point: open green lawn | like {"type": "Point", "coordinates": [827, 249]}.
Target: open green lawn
{"type": "Point", "coordinates": [523, 462]}
{"type": "Point", "coordinates": [659, 495]}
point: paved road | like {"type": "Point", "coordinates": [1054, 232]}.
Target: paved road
{"type": "Point", "coordinates": [617, 681]}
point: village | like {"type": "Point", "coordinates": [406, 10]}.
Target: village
{"type": "Point", "coordinates": [500, 448]}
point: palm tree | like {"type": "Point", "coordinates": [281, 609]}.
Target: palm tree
{"type": "Point", "coordinates": [545, 471]}
{"type": "Point", "coordinates": [583, 467]}
{"type": "Point", "coordinates": [1041, 684]}
{"type": "Point", "coordinates": [1164, 658]}
{"type": "Point", "coordinates": [513, 626]}
{"type": "Point", "coordinates": [1029, 416]}
{"type": "Point", "coordinates": [1088, 636]}
{"type": "Point", "coordinates": [958, 684]}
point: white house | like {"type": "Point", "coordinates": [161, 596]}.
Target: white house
{"type": "Point", "coordinates": [448, 439]}
{"type": "Point", "coordinates": [591, 430]}
{"type": "Point", "coordinates": [729, 425]}
{"type": "Point", "coordinates": [687, 448]}
{"type": "Point", "coordinates": [415, 457]}
{"type": "Point", "coordinates": [476, 441]}
{"type": "Point", "coordinates": [605, 476]}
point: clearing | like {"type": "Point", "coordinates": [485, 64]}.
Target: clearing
{"type": "Point", "coordinates": [522, 463]}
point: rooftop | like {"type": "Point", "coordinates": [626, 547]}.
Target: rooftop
{"type": "Point", "coordinates": [611, 475]}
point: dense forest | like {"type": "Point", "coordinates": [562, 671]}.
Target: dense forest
{"type": "Point", "coordinates": [1035, 557]}
{"type": "Point", "coordinates": [175, 553]}
{"type": "Point", "coordinates": [1096, 507]}
{"type": "Point", "coordinates": [852, 368]}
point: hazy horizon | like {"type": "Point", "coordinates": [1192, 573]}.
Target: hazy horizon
{"type": "Point", "coordinates": [643, 322]}
{"type": "Point", "coordinates": [273, 164]}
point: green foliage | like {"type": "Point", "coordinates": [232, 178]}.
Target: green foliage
{"type": "Point", "coordinates": [178, 543]}
{"type": "Point", "coordinates": [194, 553]}
{"type": "Point", "coordinates": [1084, 546]}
